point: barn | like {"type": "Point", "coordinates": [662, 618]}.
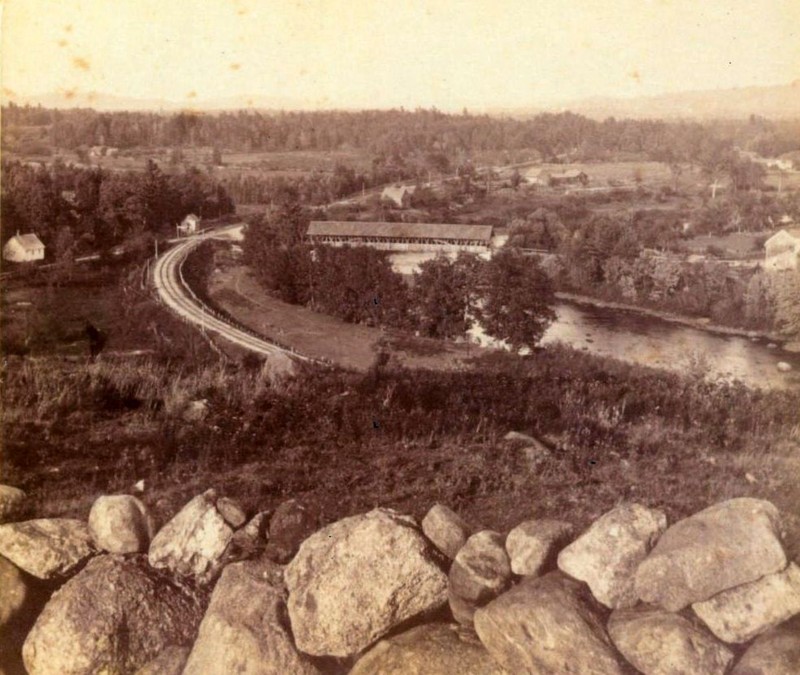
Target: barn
{"type": "Point", "coordinates": [398, 195]}
{"type": "Point", "coordinates": [782, 250]}
{"type": "Point", "coordinates": [23, 248]}
{"type": "Point", "coordinates": [401, 236]}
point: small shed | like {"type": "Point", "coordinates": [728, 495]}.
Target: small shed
{"type": "Point", "coordinates": [190, 224]}
{"type": "Point", "coordinates": [398, 195]}
{"type": "Point", "coordinates": [23, 248]}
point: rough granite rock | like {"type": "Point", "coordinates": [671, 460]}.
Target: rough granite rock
{"type": "Point", "coordinates": [170, 661]}
{"type": "Point", "coordinates": [480, 572]}
{"type": "Point", "coordinates": [776, 652]}
{"type": "Point", "coordinates": [658, 642]}
{"type": "Point", "coordinates": [121, 524]}
{"type": "Point", "coordinates": [13, 503]}
{"type": "Point", "coordinates": [547, 624]}
{"type": "Point", "coordinates": [608, 554]}
{"type": "Point", "coordinates": [290, 525]}
{"type": "Point", "coordinates": [115, 615]}
{"type": "Point", "coordinates": [233, 514]}
{"type": "Point", "coordinates": [192, 544]}
{"type": "Point", "coordinates": [47, 547]}
{"type": "Point", "coordinates": [356, 579]}
{"type": "Point", "coordinates": [741, 613]}
{"type": "Point", "coordinates": [533, 544]}
{"type": "Point", "coordinates": [430, 649]}
{"type": "Point", "coordinates": [244, 629]}
{"type": "Point", "coordinates": [14, 592]}
{"type": "Point", "coordinates": [445, 528]}
{"type": "Point", "coordinates": [728, 544]}
{"type": "Point", "coordinates": [249, 540]}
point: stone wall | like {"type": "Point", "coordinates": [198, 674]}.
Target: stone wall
{"type": "Point", "coordinates": [215, 591]}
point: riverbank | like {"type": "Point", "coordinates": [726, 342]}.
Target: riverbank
{"type": "Point", "coordinates": [689, 321]}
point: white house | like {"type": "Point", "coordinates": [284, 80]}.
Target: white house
{"type": "Point", "coordinates": [782, 250]}
{"type": "Point", "coordinates": [190, 224]}
{"type": "Point", "coordinates": [23, 248]}
{"type": "Point", "coordinates": [399, 195]}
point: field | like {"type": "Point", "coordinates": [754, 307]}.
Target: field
{"type": "Point", "coordinates": [604, 174]}
{"type": "Point", "coordinates": [735, 244]}
{"type": "Point", "coordinates": [233, 289]}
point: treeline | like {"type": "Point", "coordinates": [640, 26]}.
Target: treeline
{"type": "Point", "coordinates": [509, 295]}
{"type": "Point", "coordinates": [320, 187]}
{"type": "Point", "coordinates": [75, 210]}
{"type": "Point", "coordinates": [401, 132]}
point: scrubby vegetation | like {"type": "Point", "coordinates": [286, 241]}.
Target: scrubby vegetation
{"type": "Point", "coordinates": [402, 438]}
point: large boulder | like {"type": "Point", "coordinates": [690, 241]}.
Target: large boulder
{"type": "Point", "coordinates": [230, 510]}
{"type": "Point", "coordinates": [480, 572]}
{"type": "Point", "coordinates": [354, 580]}
{"type": "Point", "coordinates": [115, 615]}
{"type": "Point", "coordinates": [21, 600]}
{"type": "Point", "coordinates": [244, 629]}
{"type": "Point", "coordinates": [547, 624]}
{"type": "Point", "coordinates": [14, 592]}
{"type": "Point", "coordinates": [430, 649]}
{"type": "Point", "coordinates": [121, 524]}
{"type": "Point", "coordinates": [13, 503]}
{"type": "Point", "coordinates": [169, 662]}
{"type": "Point", "coordinates": [776, 652]}
{"type": "Point", "coordinates": [445, 528]}
{"type": "Point", "coordinates": [533, 544]}
{"type": "Point", "coordinates": [607, 555]}
{"type": "Point", "coordinates": [290, 525]}
{"type": "Point", "coordinates": [47, 547]}
{"type": "Point", "coordinates": [192, 544]}
{"type": "Point", "coordinates": [728, 544]}
{"type": "Point", "coordinates": [658, 642]}
{"type": "Point", "coordinates": [741, 613]}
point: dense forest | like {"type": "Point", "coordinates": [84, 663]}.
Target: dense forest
{"type": "Point", "coordinates": [77, 210]}
{"type": "Point", "coordinates": [401, 133]}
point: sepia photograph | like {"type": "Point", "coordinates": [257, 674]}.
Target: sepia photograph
{"type": "Point", "coordinates": [436, 337]}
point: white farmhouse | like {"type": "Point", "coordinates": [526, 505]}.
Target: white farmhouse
{"type": "Point", "coordinates": [399, 195]}
{"type": "Point", "coordinates": [190, 224]}
{"type": "Point", "coordinates": [782, 250]}
{"type": "Point", "coordinates": [23, 248]}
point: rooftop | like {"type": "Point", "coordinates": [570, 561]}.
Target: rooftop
{"type": "Point", "coordinates": [29, 242]}
{"type": "Point", "coordinates": [399, 230]}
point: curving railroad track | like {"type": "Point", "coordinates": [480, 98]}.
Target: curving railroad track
{"type": "Point", "coordinates": [176, 294]}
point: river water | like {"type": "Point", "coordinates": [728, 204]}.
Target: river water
{"type": "Point", "coordinates": [646, 340]}
{"type": "Point", "coordinates": [649, 341]}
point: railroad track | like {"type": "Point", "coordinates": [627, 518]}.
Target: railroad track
{"type": "Point", "coordinates": [176, 294]}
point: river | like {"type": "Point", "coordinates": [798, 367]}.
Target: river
{"type": "Point", "coordinates": [646, 340]}
{"type": "Point", "coordinates": [649, 341]}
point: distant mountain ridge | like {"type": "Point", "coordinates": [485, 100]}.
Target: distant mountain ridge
{"type": "Point", "coordinates": [775, 102]}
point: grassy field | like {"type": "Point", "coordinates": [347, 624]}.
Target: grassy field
{"type": "Point", "coordinates": [235, 290]}
{"type": "Point", "coordinates": [602, 174]}
{"type": "Point", "coordinates": [735, 244]}
{"type": "Point", "coordinates": [345, 442]}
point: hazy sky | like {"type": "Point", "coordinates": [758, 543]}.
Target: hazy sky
{"type": "Point", "coordinates": [368, 53]}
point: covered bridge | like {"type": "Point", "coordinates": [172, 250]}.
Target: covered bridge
{"type": "Point", "coordinates": [401, 236]}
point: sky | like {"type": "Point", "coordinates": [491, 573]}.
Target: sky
{"type": "Point", "coordinates": [480, 54]}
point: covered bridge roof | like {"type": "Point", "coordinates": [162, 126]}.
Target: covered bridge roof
{"type": "Point", "coordinates": [338, 228]}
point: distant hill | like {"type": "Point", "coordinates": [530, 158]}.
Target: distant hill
{"type": "Point", "coordinates": [774, 102]}
{"type": "Point", "coordinates": [110, 102]}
